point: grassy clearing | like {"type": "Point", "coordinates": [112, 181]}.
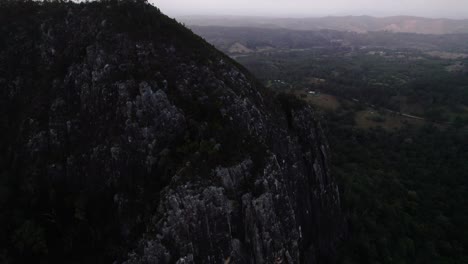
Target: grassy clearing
{"type": "Point", "coordinates": [368, 119]}
{"type": "Point", "coordinates": [364, 119]}
{"type": "Point", "coordinates": [323, 101]}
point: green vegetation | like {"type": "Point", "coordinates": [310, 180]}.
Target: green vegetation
{"type": "Point", "coordinates": [404, 181]}
{"type": "Point", "coordinates": [405, 194]}
{"type": "Point", "coordinates": [404, 184]}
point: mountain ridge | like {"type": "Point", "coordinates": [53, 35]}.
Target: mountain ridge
{"type": "Point", "coordinates": [361, 24]}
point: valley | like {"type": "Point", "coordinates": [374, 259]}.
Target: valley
{"type": "Point", "coordinates": [416, 75]}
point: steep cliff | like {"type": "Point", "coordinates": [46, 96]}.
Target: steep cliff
{"type": "Point", "coordinates": [127, 138]}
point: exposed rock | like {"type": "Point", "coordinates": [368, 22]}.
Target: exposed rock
{"type": "Point", "coordinates": [153, 147]}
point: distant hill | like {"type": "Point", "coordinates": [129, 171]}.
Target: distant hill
{"type": "Point", "coordinates": [359, 24]}
{"type": "Point", "coordinates": [245, 40]}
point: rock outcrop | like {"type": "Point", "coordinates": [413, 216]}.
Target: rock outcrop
{"type": "Point", "coordinates": [134, 140]}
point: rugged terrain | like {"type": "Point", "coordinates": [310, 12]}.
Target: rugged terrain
{"type": "Point", "coordinates": [128, 138]}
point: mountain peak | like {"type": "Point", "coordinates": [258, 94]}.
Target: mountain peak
{"type": "Point", "coordinates": [131, 139]}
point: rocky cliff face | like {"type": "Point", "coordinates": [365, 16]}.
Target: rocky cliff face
{"type": "Point", "coordinates": [128, 138]}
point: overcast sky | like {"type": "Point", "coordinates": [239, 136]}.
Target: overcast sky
{"type": "Point", "coordinates": [304, 8]}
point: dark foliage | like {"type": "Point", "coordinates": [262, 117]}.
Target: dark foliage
{"type": "Point", "coordinates": [405, 194]}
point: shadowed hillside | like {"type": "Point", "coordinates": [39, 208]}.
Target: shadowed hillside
{"type": "Point", "coordinates": [127, 138]}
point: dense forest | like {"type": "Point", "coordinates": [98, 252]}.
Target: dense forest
{"type": "Point", "coordinates": [405, 193]}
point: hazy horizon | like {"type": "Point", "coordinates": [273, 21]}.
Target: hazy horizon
{"type": "Point", "coordinates": [452, 9]}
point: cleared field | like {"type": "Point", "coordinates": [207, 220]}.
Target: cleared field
{"type": "Point", "coordinates": [371, 119]}
{"type": "Point", "coordinates": [322, 101]}
{"type": "Point", "coordinates": [447, 55]}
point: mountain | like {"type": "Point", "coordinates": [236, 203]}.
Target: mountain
{"type": "Point", "coordinates": [360, 24]}
{"type": "Point", "coordinates": [127, 138]}
{"type": "Point", "coordinates": [244, 40]}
